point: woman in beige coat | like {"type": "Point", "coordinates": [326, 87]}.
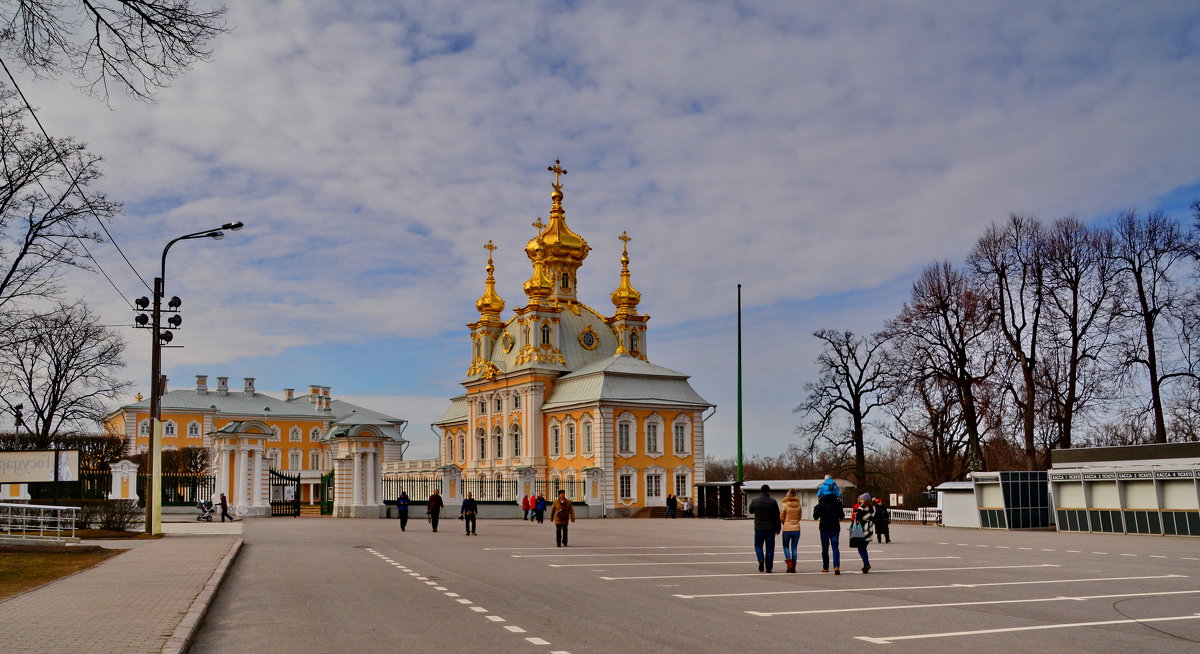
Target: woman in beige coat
{"type": "Point", "coordinates": [789, 515]}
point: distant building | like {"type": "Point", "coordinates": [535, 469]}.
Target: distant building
{"type": "Point", "coordinates": [562, 394]}
{"type": "Point", "coordinates": [298, 426]}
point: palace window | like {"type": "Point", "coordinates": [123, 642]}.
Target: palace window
{"type": "Point", "coordinates": [633, 343]}
{"type": "Point", "coordinates": [449, 451]}
{"type": "Point", "coordinates": [144, 428]}
{"type": "Point", "coordinates": [682, 487]}
{"type": "Point", "coordinates": [169, 428]}
{"type": "Point", "coordinates": [571, 439]}
{"type": "Point", "coordinates": [623, 444]}
{"type": "Point", "coordinates": [275, 434]}
{"type": "Point", "coordinates": [275, 456]}
{"type": "Point", "coordinates": [516, 440]}
{"type": "Point", "coordinates": [193, 429]}
{"type": "Point", "coordinates": [587, 437]}
{"type": "Point", "coordinates": [681, 437]}
{"type": "Point", "coordinates": [483, 407]}
{"type": "Point", "coordinates": [314, 460]}
{"type": "Point", "coordinates": [294, 459]}
{"type": "Point", "coordinates": [462, 448]}
{"type": "Point", "coordinates": [516, 402]}
{"type": "Point", "coordinates": [498, 436]}
{"type": "Point", "coordinates": [652, 438]}
{"type": "Point", "coordinates": [499, 404]}
{"type": "Point", "coordinates": [295, 435]}
{"type": "Point", "coordinates": [566, 281]}
{"type": "Point", "coordinates": [482, 453]}
{"type": "Point", "coordinates": [625, 486]}
{"type": "Point", "coordinates": [554, 441]}
{"type": "Point", "coordinates": [314, 434]}
{"type": "Point", "coordinates": [545, 334]}
{"type": "Point", "coordinates": [653, 485]}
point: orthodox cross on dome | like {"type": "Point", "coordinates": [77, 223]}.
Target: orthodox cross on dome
{"type": "Point", "coordinates": [490, 247]}
{"type": "Point", "coordinates": [539, 225]}
{"type": "Point", "coordinates": [626, 238]}
{"type": "Point", "coordinates": [558, 170]}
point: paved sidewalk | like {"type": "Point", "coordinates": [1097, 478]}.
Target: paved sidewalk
{"type": "Point", "coordinates": [149, 599]}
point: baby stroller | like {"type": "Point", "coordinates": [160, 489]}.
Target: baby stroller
{"type": "Point", "coordinates": [206, 511]}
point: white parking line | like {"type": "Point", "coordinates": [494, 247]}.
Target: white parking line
{"type": "Point", "coordinates": [887, 640]}
{"type": "Point", "coordinates": [537, 641]}
{"type": "Point", "coordinates": [747, 552]}
{"type": "Point", "coordinates": [738, 562]}
{"type": "Point", "coordinates": [514, 628]}
{"type": "Point", "coordinates": [759, 574]}
{"type": "Point", "coordinates": [478, 609]}
{"type": "Point", "coordinates": [620, 547]}
{"type": "Point", "coordinates": [981, 585]}
{"type": "Point", "coordinates": [495, 618]}
{"type": "Point", "coordinates": [1061, 598]}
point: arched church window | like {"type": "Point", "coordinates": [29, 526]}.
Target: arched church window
{"type": "Point", "coordinates": [633, 342]}
{"type": "Point", "coordinates": [498, 436]}
{"type": "Point", "coordinates": [482, 453]}
{"type": "Point", "coordinates": [566, 281]}
{"type": "Point", "coordinates": [462, 448]}
{"type": "Point", "coordinates": [545, 334]}
{"type": "Point", "coordinates": [516, 440]}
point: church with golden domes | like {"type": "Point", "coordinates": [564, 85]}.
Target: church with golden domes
{"type": "Point", "coordinates": [562, 395]}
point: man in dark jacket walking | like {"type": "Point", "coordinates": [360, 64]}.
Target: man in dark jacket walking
{"type": "Point", "coordinates": [829, 511]}
{"type": "Point", "coordinates": [468, 514]}
{"type": "Point", "coordinates": [765, 510]}
{"type": "Point", "coordinates": [434, 508]}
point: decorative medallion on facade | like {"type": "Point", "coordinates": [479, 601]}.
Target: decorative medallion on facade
{"type": "Point", "coordinates": [589, 339]}
{"type": "Point", "coordinates": [507, 342]}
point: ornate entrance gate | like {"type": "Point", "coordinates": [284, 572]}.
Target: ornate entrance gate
{"type": "Point", "coordinates": [285, 494]}
{"type": "Point", "coordinates": [326, 490]}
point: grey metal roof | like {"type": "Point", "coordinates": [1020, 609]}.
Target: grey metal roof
{"type": "Point", "coordinates": [456, 412]}
{"type": "Point", "coordinates": [235, 402]}
{"type": "Point", "coordinates": [625, 380]}
{"type": "Point", "coordinates": [570, 327]}
{"type": "Point", "coordinates": [349, 415]}
{"type": "Point", "coordinates": [955, 485]}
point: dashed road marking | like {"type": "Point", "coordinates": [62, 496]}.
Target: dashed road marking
{"type": "Point", "coordinates": [883, 588]}
{"type": "Point", "coordinates": [887, 640]}
{"type": "Point", "coordinates": [495, 618]}
{"type": "Point", "coordinates": [759, 574]}
{"type": "Point", "coordinates": [1061, 598]}
{"type": "Point", "coordinates": [738, 562]}
{"type": "Point", "coordinates": [514, 628]}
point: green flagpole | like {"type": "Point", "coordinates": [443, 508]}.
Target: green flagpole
{"type": "Point", "coordinates": [740, 477]}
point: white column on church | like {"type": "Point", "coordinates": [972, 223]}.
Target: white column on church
{"type": "Point", "coordinates": [222, 470]}
{"type": "Point", "coordinates": [370, 471]}
{"type": "Point", "coordinates": [356, 475]}
{"type": "Point", "coordinates": [243, 468]}
{"type": "Point", "coordinates": [256, 483]}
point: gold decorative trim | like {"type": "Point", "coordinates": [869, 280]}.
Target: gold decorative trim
{"type": "Point", "coordinates": [594, 335]}
{"type": "Point", "coordinates": [507, 342]}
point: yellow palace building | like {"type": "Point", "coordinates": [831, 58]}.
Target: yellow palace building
{"type": "Point", "coordinates": [560, 393]}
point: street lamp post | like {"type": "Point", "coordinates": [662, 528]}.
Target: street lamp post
{"type": "Point", "coordinates": [160, 336]}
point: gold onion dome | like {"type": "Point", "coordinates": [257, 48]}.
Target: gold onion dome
{"type": "Point", "coordinates": [539, 285]}
{"type": "Point", "coordinates": [626, 297]}
{"type": "Point", "coordinates": [490, 304]}
{"type": "Point", "coordinates": [557, 241]}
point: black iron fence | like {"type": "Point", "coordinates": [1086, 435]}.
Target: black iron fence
{"type": "Point", "coordinates": [490, 490]}
{"type": "Point", "coordinates": [549, 489]}
{"type": "Point", "coordinates": [418, 488]}
{"type": "Point", "coordinates": [177, 489]}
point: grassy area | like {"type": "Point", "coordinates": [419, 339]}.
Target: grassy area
{"type": "Point", "coordinates": [23, 567]}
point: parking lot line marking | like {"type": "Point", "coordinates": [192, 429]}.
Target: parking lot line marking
{"type": "Point", "coordinates": [887, 640]}
{"type": "Point", "coordinates": [439, 588]}
{"type": "Point", "coordinates": [747, 552]}
{"type": "Point", "coordinates": [451, 594]}
{"type": "Point", "coordinates": [1024, 548]}
{"type": "Point", "coordinates": [1046, 549]}
{"type": "Point", "coordinates": [1099, 552]}
{"type": "Point", "coordinates": [1060, 598]}
{"type": "Point", "coordinates": [478, 609]}
{"type": "Point", "coordinates": [537, 641]}
{"type": "Point", "coordinates": [1003, 547]}
{"type": "Point", "coordinates": [619, 547]}
{"type": "Point", "coordinates": [464, 601]}
{"type": "Point", "coordinates": [431, 583]}
{"type": "Point", "coordinates": [1129, 555]}
{"type": "Point", "coordinates": [1157, 556]}
{"type": "Point", "coordinates": [738, 562]}
{"type": "Point", "coordinates": [1073, 551]}
{"type": "Point", "coordinates": [759, 574]}
{"type": "Point", "coordinates": [495, 618]}
{"type": "Point", "coordinates": [877, 588]}
{"type": "Point", "coordinates": [1190, 558]}
{"type": "Point", "coordinates": [514, 628]}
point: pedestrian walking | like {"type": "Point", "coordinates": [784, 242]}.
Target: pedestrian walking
{"type": "Point", "coordinates": [539, 508]}
{"type": "Point", "coordinates": [468, 514]}
{"type": "Point", "coordinates": [883, 521]}
{"type": "Point", "coordinates": [687, 508]}
{"type": "Point", "coordinates": [524, 507]}
{"type": "Point", "coordinates": [402, 509]}
{"type": "Point", "coordinates": [562, 514]}
{"type": "Point", "coordinates": [672, 505]}
{"type": "Point", "coordinates": [765, 510]}
{"type": "Point", "coordinates": [863, 524]}
{"type": "Point", "coordinates": [225, 509]}
{"type": "Point", "coordinates": [790, 514]}
{"type": "Point", "coordinates": [434, 508]}
{"type": "Point", "coordinates": [829, 511]}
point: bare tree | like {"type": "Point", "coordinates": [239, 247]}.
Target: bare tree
{"type": "Point", "coordinates": [945, 334]}
{"type": "Point", "coordinates": [1149, 253]}
{"type": "Point", "coordinates": [926, 422]}
{"type": "Point", "coordinates": [45, 200]}
{"type": "Point", "coordinates": [1009, 262]}
{"type": "Point", "coordinates": [62, 367]}
{"type": "Point", "coordinates": [1081, 284]}
{"type": "Point", "coordinates": [848, 386]}
{"type": "Point", "coordinates": [137, 45]}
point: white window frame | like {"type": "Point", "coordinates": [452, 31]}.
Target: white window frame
{"type": "Point", "coordinates": [144, 427]}
{"type": "Point", "coordinates": [516, 401]}
{"type": "Point", "coordinates": [627, 485]}
{"type": "Point", "coordinates": [652, 434]}
{"type": "Point", "coordinates": [193, 430]}
{"type": "Point", "coordinates": [587, 437]}
{"type": "Point", "coordinates": [295, 435]}
{"type": "Point", "coordinates": [515, 434]}
{"type": "Point", "coordinates": [170, 430]}
{"type": "Point", "coordinates": [685, 489]}
{"type": "Point", "coordinates": [275, 435]}
{"type": "Point", "coordinates": [314, 460]}
{"type": "Point", "coordinates": [571, 439]}
{"type": "Point", "coordinates": [275, 457]}
{"type": "Point", "coordinates": [314, 434]}
{"type": "Point", "coordinates": [499, 405]}
{"type": "Point", "coordinates": [462, 448]}
{"type": "Point", "coordinates": [295, 459]}
{"type": "Point", "coordinates": [625, 440]}
{"type": "Point", "coordinates": [657, 476]}
{"type": "Point", "coordinates": [498, 437]}
{"type": "Point", "coordinates": [555, 440]}
{"type": "Point", "coordinates": [481, 441]}
{"type": "Point", "coordinates": [686, 423]}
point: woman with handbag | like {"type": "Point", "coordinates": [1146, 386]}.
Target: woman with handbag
{"type": "Point", "coordinates": [862, 528]}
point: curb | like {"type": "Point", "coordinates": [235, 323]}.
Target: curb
{"type": "Point", "coordinates": [182, 636]}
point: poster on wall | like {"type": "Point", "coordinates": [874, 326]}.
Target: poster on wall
{"type": "Point", "coordinates": [35, 466]}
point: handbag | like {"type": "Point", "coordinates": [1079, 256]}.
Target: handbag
{"type": "Point", "coordinates": [857, 537]}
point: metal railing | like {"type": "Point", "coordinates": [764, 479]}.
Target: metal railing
{"type": "Point", "coordinates": [418, 488]}
{"type": "Point", "coordinates": [550, 489]}
{"type": "Point", "coordinates": [178, 489]}
{"type": "Point", "coordinates": [37, 522]}
{"type": "Point", "coordinates": [926, 516]}
{"type": "Point", "coordinates": [490, 490]}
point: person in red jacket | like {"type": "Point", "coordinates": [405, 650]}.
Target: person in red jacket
{"type": "Point", "coordinates": [524, 507]}
{"type": "Point", "coordinates": [434, 508]}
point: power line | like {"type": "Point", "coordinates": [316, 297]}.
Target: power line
{"type": "Point", "coordinates": [61, 159]}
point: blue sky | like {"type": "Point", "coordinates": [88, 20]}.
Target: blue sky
{"type": "Point", "coordinates": [820, 153]}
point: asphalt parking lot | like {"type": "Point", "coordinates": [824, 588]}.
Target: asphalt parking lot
{"type": "Point", "coordinates": [693, 586]}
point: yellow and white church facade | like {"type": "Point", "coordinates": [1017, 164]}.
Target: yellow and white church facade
{"type": "Point", "coordinates": [560, 393]}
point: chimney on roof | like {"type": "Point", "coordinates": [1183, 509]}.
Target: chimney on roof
{"type": "Point", "coordinates": [325, 391]}
{"type": "Point", "coordinates": [289, 393]}
{"type": "Point", "coordinates": [201, 383]}
{"type": "Point", "coordinates": [223, 385]}
{"type": "Point", "coordinates": [314, 392]}
{"type": "Point", "coordinates": [248, 385]}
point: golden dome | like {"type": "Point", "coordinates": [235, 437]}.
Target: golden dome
{"type": "Point", "coordinates": [490, 304]}
{"type": "Point", "coordinates": [539, 285]}
{"type": "Point", "coordinates": [626, 297]}
{"type": "Point", "coordinates": [559, 242]}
